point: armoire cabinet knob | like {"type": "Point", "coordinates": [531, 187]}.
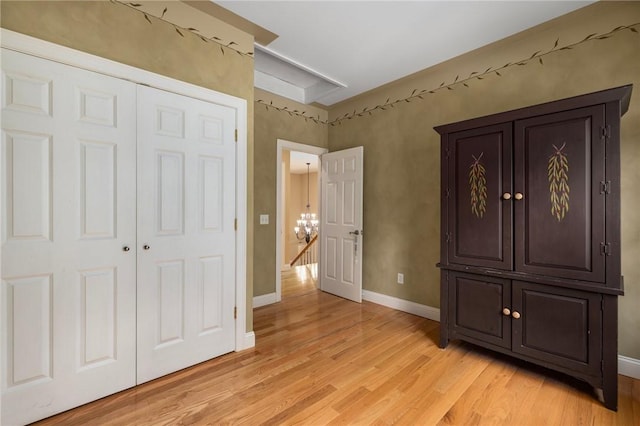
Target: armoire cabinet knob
{"type": "Point", "coordinates": [506, 311]}
{"type": "Point", "coordinates": [146, 246]}
{"type": "Point", "coordinates": [506, 196]}
{"type": "Point", "coordinates": [516, 314]}
{"type": "Point", "coordinates": [125, 248]}
{"type": "Point", "coordinates": [519, 196]}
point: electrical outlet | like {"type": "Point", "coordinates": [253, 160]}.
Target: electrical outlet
{"type": "Point", "coordinates": [400, 278]}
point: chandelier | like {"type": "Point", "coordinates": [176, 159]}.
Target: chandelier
{"type": "Point", "coordinates": [307, 224]}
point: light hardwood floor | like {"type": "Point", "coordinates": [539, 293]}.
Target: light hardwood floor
{"type": "Point", "coordinates": [320, 360]}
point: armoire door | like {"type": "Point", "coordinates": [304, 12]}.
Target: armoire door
{"type": "Point", "coordinates": [478, 197]}
{"type": "Point", "coordinates": [186, 236]}
{"type": "Point", "coordinates": [559, 198]}
{"type": "Point", "coordinates": [477, 308]}
{"type": "Point", "coordinates": [68, 237]}
{"type": "Point", "coordinates": [559, 326]}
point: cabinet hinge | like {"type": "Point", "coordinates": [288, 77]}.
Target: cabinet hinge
{"type": "Point", "coordinates": [235, 312]}
{"type": "Point", "coordinates": [602, 305]}
{"type": "Point", "coordinates": [447, 192]}
{"type": "Point", "coordinates": [236, 135]}
{"type": "Point", "coordinates": [606, 131]}
{"type": "Point", "coordinates": [447, 153]}
{"type": "Point", "coordinates": [605, 187]}
{"type": "Point", "coordinates": [235, 224]}
{"type": "Point", "coordinates": [605, 249]}
{"type": "Point", "coordinates": [448, 237]}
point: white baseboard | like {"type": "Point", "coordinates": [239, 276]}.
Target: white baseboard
{"type": "Point", "coordinates": [249, 340]}
{"type": "Point", "coordinates": [264, 300]}
{"type": "Point", "coordinates": [402, 305]}
{"type": "Point", "coordinates": [629, 367]}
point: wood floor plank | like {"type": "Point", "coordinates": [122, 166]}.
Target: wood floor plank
{"type": "Point", "coordinates": [320, 359]}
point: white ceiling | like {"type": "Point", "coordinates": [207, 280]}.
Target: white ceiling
{"type": "Point", "coordinates": [364, 44]}
{"type": "Point", "coordinates": [298, 162]}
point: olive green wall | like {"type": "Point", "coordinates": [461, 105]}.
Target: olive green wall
{"type": "Point", "coordinates": [119, 33]}
{"type": "Point", "coordinates": [401, 149]}
{"type": "Point", "coordinates": [271, 125]}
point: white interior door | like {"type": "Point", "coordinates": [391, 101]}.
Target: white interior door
{"type": "Point", "coordinates": [68, 210]}
{"type": "Point", "coordinates": [341, 223]}
{"type": "Point", "coordinates": [186, 237]}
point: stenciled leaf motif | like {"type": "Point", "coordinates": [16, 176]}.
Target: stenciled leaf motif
{"type": "Point", "coordinates": [558, 173]}
{"type": "Point", "coordinates": [478, 186]}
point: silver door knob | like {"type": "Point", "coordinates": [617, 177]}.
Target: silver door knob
{"type": "Point", "coordinates": [356, 232]}
{"type": "Point", "coordinates": [506, 196]}
{"type": "Point", "coordinates": [125, 248]}
{"type": "Point", "coordinates": [146, 246]}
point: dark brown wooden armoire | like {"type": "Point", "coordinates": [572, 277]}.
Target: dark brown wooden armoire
{"type": "Point", "coordinates": [530, 250]}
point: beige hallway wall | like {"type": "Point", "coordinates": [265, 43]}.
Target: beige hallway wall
{"type": "Point", "coordinates": [297, 198]}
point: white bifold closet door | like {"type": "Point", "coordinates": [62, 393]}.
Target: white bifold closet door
{"type": "Point", "coordinates": [118, 239]}
{"type": "Point", "coordinates": [186, 235]}
{"type": "Point", "coordinates": [68, 210]}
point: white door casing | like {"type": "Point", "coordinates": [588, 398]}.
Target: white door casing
{"type": "Point", "coordinates": [341, 223]}
{"type": "Point", "coordinates": [68, 283]}
{"type": "Point", "coordinates": [186, 236]}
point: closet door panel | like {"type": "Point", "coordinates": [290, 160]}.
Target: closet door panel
{"type": "Point", "coordinates": [186, 236]}
{"type": "Point", "coordinates": [68, 209]}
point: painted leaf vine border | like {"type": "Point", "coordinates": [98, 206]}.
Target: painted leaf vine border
{"type": "Point", "coordinates": [181, 31]}
{"type": "Point", "coordinates": [292, 112]}
{"type": "Point", "coordinates": [458, 81]}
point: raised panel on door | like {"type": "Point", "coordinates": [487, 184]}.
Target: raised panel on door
{"type": "Point", "coordinates": [68, 200]}
{"type": "Point", "coordinates": [560, 221]}
{"type": "Point", "coordinates": [475, 308]}
{"type": "Point", "coordinates": [559, 326]}
{"type": "Point", "coordinates": [186, 236]}
{"type": "Point", "coordinates": [479, 219]}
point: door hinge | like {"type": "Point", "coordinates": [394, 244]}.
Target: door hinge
{"type": "Point", "coordinates": [606, 131]}
{"type": "Point", "coordinates": [605, 187]}
{"type": "Point", "coordinates": [605, 249]}
{"type": "Point", "coordinates": [235, 312]}
{"type": "Point", "coordinates": [236, 135]}
{"type": "Point", "coordinates": [235, 224]}
{"type": "Point", "coordinates": [447, 153]}
{"type": "Point", "coordinates": [447, 193]}
{"type": "Point", "coordinates": [449, 236]}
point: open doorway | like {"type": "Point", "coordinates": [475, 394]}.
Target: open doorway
{"type": "Point", "coordinates": [298, 185]}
